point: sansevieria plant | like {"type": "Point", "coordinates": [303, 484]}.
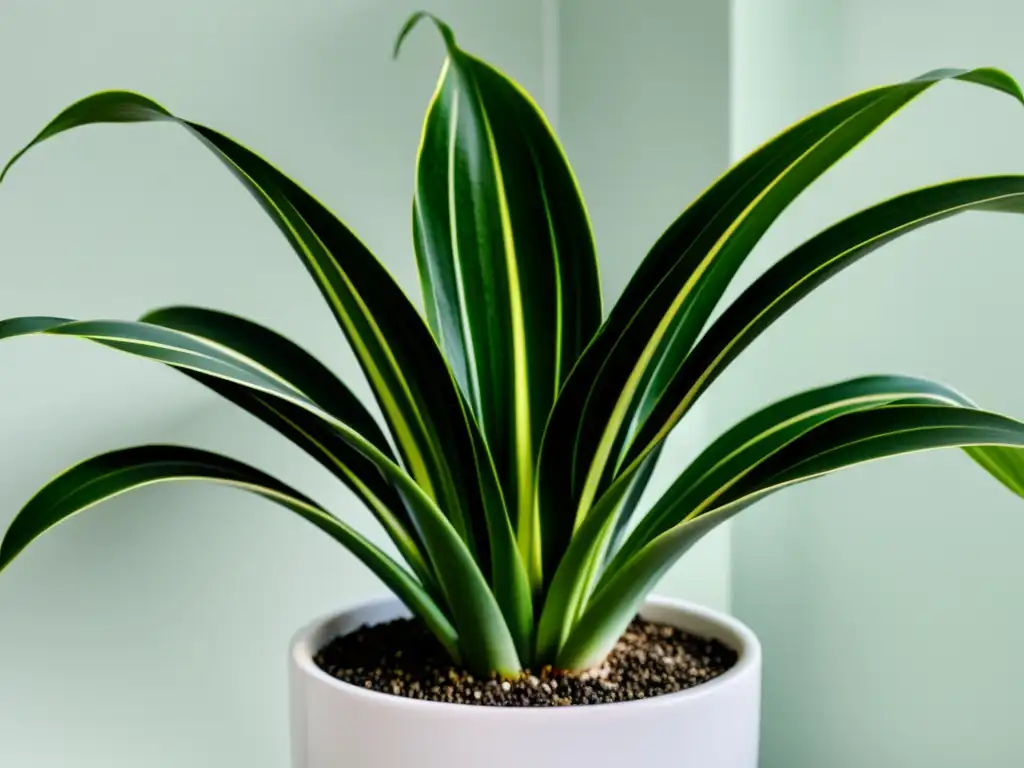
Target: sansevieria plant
{"type": "Point", "coordinates": [523, 422]}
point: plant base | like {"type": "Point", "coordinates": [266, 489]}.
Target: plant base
{"type": "Point", "coordinates": [402, 658]}
{"type": "Point", "coordinates": [712, 724]}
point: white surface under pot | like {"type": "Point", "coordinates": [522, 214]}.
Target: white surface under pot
{"type": "Point", "coordinates": [713, 725]}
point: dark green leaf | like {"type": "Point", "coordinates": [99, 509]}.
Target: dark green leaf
{"type": "Point", "coordinates": [396, 350]}
{"type": "Point", "coordinates": [632, 499]}
{"type": "Point", "coordinates": [111, 474]}
{"type": "Point", "coordinates": [487, 642]}
{"type": "Point", "coordinates": [318, 438]}
{"type": "Point", "coordinates": [566, 599]}
{"type": "Point", "coordinates": [570, 584]}
{"type": "Point", "coordinates": [653, 325]}
{"type": "Point", "coordinates": [851, 438]}
{"type": "Point", "coordinates": [807, 267]}
{"type": "Point", "coordinates": [506, 260]}
{"type": "Point", "coordinates": [740, 448]}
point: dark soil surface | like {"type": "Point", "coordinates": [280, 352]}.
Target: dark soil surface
{"type": "Point", "coordinates": [402, 658]}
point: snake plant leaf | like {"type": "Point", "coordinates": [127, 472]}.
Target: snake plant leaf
{"type": "Point", "coordinates": [112, 474]}
{"type": "Point", "coordinates": [612, 531]}
{"type": "Point", "coordinates": [792, 278]}
{"type": "Point", "coordinates": [519, 431]}
{"type": "Point", "coordinates": [808, 266]}
{"type": "Point", "coordinates": [887, 431]}
{"type": "Point", "coordinates": [510, 579]}
{"type": "Point", "coordinates": [572, 583]}
{"type": "Point", "coordinates": [487, 643]}
{"type": "Point", "coordinates": [401, 360]}
{"type": "Point", "coordinates": [435, 433]}
{"type": "Point", "coordinates": [740, 447]}
{"type": "Point", "coordinates": [631, 501]}
{"type": "Point", "coordinates": [318, 438]}
{"type": "Point", "coordinates": [274, 352]}
{"type": "Point", "coordinates": [851, 438]}
{"type": "Point", "coordinates": [507, 262]}
{"type": "Point", "coordinates": [661, 312]}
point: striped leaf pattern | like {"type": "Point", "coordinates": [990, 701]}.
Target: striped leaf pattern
{"type": "Point", "coordinates": [402, 363]}
{"type": "Point", "coordinates": [506, 260]}
{"type": "Point", "coordinates": [488, 644]}
{"type": "Point", "coordinates": [738, 449]}
{"type": "Point", "coordinates": [568, 595]}
{"type": "Point", "coordinates": [743, 468]}
{"type": "Point", "coordinates": [654, 323]}
{"type": "Point", "coordinates": [436, 434]}
{"type": "Point", "coordinates": [522, 428]}
{"type": "Point", "coordinates": [112, 474]}
{"type": "Point", "coordinates": [779, 288]}
{"type": "Point", "coordinates": [807, 267]}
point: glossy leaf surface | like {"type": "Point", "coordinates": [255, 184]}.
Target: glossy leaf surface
{"type": "Point", "coordinates": [506, 260]}
{"type": "Point", "coordinates": [474, 610]}
{"type": "Point", "coordinates": [849, 439]}
{"type": "Point", "coordinates": [111, 474]}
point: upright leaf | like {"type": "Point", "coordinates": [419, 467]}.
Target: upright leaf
{"type": "Point", "coordinates": [506, 260]}
{"type": "Point", "coordinates": [713, 261]}
{"type": "Point", "coordinates": [624, 514]}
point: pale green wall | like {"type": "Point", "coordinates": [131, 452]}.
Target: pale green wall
{"type": "Point", "coordinates": [152, 631]}
{"type": "Point", "coordinates": [887, 598]}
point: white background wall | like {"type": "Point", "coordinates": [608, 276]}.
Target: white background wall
{"type": "Point", "coordinates": [152, 631]}
{"type": "Point", "coordinates": [887, 598]}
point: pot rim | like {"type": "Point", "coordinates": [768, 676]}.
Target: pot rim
{"type": "Point", "coordinates": [731, 630]}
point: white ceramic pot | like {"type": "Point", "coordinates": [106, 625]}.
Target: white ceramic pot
{"type": "Point", "coordinates": [714, 725]}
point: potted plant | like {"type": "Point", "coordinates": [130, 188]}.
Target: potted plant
{"type": "Point", "coordinates": [523, 425]}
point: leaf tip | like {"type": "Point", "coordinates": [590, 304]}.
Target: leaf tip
{"type": "Point", "coordinates": [10, 164]}
{"type": "Point", "coordinates": [8, 551]}
{"type": "Point", "coordinates": [446, 32]}
{"type": "Point", "coordinates": [995, 78]}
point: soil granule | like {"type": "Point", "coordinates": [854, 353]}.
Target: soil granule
{"type": "Point", "coordinates": [402, 658]}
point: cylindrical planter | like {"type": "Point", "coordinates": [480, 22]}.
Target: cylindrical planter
{"type": "Point", "coordinates": [713, 725]}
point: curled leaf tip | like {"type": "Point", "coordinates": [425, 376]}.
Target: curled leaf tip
{"type": "Point", "coordinates": [416, 18]}
{"type": "Point", "coordinates": [112, 106]}
{"type": "Point", "coordinates": [995, 78]}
